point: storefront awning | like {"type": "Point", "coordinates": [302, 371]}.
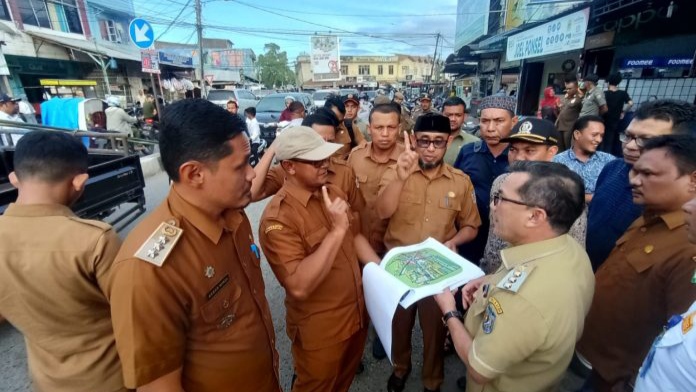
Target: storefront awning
{"type": "Point", "coordinates": [101, 49]}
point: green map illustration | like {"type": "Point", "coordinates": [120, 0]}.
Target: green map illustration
{"type": "Point", "coordinates": [422, 267]}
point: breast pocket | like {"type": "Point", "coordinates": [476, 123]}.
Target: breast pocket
{"type": "Point", "coordinates": [410, 208]}
{"type": "Point", "coordinates": [220, 310]}
{"type": "Point", "coordinates": [449, 209]}
{"type": "Point", "coordinates": [314, 238]}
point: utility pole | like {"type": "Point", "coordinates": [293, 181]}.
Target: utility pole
{"type": "Point", "coordinates": [432, 68]}
{"type": "Point", "coordinates": [199, 28]}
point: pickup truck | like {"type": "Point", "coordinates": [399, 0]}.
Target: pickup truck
{"type": "Point", "coordinates": [116, 184]}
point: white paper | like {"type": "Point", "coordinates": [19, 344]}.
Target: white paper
{"type": "Point", "coordinates": [408, 274]}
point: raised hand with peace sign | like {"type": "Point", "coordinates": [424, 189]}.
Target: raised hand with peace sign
{"type": "Point", "coordinates": [408, 160]}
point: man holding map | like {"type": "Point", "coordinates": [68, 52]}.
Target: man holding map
{"type": "Point", "coordinates": [523, 321]}
{"type": "Point", "coordinates": [424, 197]}
{"type": "Point", "coordinates": [312, 241]}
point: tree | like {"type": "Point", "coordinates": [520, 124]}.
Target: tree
{"type": "Point", "coordinates": [273, 67]}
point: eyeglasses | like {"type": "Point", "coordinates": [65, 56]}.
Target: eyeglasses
{"type": "Point", "coordinates": [316, 164]}
{"type": "Point", "coordinates": [626, 138]}
{"type": "Point", "coordinates": [497, 198]}
{"type": "Point", "coordinates": [425, 143]}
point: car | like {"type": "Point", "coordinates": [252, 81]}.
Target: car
{"type": "Point", "coordinates": [244, 98]}
{"type": "Point", "coordinates": [319, 97]}
{"type": "Point", "coordinates": [263, 92]}
{"type": "Point", "coordinates": [371, 94]}
{"type": "Point", "coordinates": [346, 91]}
{"type": "Point", "coordinates": [269, 108]}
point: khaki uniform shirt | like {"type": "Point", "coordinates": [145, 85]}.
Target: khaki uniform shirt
{"type": "Point", "coordinates": [54, 287]}
{"type": "Point", "coordinates": [524, 328]}
{"type": "Point", "coordinates": [646, 279]}
{"type": "Point", "coordinates": [369, 173]}
{"type": "Point", "coordinates": [362, 126]}
{"type": "Point", "coordinates": [204, 309]}
{"type": "Point", "coordinates": [592, 102]}
{"type": "Point", "coordinates": [292, 227]}
{"type": "Point", "coordinates": [343, 137]}
{"type": "Point", "coordinates": [430, 207]}
{"type": "Point", "coordinates": [340, 174]}
{"type": "Point", "coordinates": [570, 112]}
{"type": "Point", "coordinates": [419, 112]}
{"type": "Point", "coordinates": [458, 142]}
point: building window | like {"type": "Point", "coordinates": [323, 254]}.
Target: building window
{"type": "Point", "coordinates": [363, 69]}
{"type": "Point", "coordinates": [344, 70]}
{"type": "Point", "coordinates": [404, 69]}
{"type": "Point", "coordinates": [391, 70]}
{"type": "Point", "coordinates": [380, 69]}
{"type": "Point", "coordinates": [4, 12]}
{"type": "Point", "coordinates": [61, 15]}
{"type": "Point", "coordinates": [111, 31]}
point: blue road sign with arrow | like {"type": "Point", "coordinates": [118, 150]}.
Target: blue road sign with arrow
{"type": "Point", "coordinates": [141, 33]}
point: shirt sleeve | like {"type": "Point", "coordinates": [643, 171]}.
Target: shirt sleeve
{"type": "Point", "coordinates": [388, 176]}
{"type": "Point", "coordinates": [150, 322]}
{"type": "Point", "coordinates": [469, 215]}
{"type": "Point", "coordinates": [102, 259]}
{"type": "Point", "coordinates": [275, 177]}
{"type": "Point", "coordinates": [516, 331]}
{"type": "Point", "coordinates": [283, 246]}
{"type": "Point", "coordinates": [599, 97]}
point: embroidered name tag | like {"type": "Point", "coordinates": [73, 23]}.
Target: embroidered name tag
{"type": "Point", "coordinates": [222, 283]}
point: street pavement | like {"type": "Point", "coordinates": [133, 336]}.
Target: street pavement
{"type": "Point", "coordinates": [13, 364]}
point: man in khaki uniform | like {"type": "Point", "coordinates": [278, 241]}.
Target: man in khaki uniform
{"type": "Point", "coordinates": [349, 138]}
{"type": "Point", "coordinates": [423, 197]}
{"type": "Point", "coordinates": [54, 270]}
{"type": "Point", "coordinates": [649, 275]}
{"type": "Point", "coordinates": [351, 119]}
{"type": "Point", "coordinates": [369, 162]}
{"type": "Point", "coordinates": [454, 109]}
{"type": "Point", "coordinates": [312, 241]}
{"type": "Point", "coordinates": [523, 321]}
{"type": "Point", "coordinates": [426, 106]}
{"type": "Point", "coordinates": [269, 179]}
{"type": "Point", "coordinates": [189, 308]}
{"type": "Point", "coordinates": [406, 121]}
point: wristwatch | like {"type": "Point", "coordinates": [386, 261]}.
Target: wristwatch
{"type": "Point", "coordinates": [450, 314]}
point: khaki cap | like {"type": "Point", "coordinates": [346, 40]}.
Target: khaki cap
{"type": "Point", "coordinates": [303, 143]}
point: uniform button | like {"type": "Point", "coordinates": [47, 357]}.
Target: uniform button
{"type": "Point", "coordinates": [427, 220]}
{"type": "Point", "coordinates": [253, 291]}
{"type": "Point", "coordinates": [428, 201]}
{"type": "Point", "coordinates": [225, 304]}
{"type": "Point", "coordinates": [643, 229]}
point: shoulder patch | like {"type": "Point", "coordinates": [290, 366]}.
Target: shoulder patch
{"type": "Point", "coordinates": [91, 222]}
{"type": "Point", "coordinates": [339, 161]}
{"type": "Point", "coordinates": [159, 245]}
{"type": "Point", "coordinates": [270, 228]}
{"type": "Point", "coordinates": [514, 279]}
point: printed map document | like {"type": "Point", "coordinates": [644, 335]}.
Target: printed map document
{"type": "Point", "coordinates": [408, 274]}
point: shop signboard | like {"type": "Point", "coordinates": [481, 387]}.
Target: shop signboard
{"type": "Point", "coordinates": [657, 62]}
{"type": "Point", "coordinates": [175, 59]}
{"type": "Point", "coordinates": [518, 12]}
{"type": "Point", "coordinates": [325, 58]}
{"type": "Point", "coordinates": [557, 36]}
{"type": "Point", "coordinates": [472, 21]}
{"type": "Point", "coordinates": [150, 61]}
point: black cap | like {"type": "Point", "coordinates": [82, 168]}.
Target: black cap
{"type": "Point", "coordinates": [432, 122]}
{"type": "Point", "coordinates": [534, 130]}
{"type": "Point", "coordinates": [351, 97]}
{"type": "Point", "coordinates": [6, 98]}
{"type": "Point", "coordinates": [591, 78]}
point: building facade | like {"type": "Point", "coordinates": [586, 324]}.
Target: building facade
{"type": "Point", "coordinates": [369, 72]}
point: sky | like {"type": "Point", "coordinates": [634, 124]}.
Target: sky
{"type": "Point", "coordinates": [384, 27]}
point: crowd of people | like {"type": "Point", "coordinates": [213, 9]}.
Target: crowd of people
{"type": "Point", "coordinates": [589, 260]}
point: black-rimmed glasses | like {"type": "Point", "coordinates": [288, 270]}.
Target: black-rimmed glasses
{"type": "Point", "coordinates": [316, 164]}
{"type": "Point", "coordinates": [497, 198]}
{"type": "Point", "coordinates": [425, 143]}
{"type": "Point", "coordinates": [626, 138]}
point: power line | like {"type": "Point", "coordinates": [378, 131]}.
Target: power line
{"type": "Point", "coordinates": [175, 19]}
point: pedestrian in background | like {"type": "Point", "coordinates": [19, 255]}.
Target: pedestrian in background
{"type": "Point", "coordinates": [618, 103]}
{"type": "Point", "coordinates": [583, 157]}
{"type": "Point", "coordinates": [55, 270]}
{"type": "Point", "coordinates": [570, 107]}
{"type": "Point", "coordinates": [594, 103]}
{"type": "Point", "coordinates": [454, 109]}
